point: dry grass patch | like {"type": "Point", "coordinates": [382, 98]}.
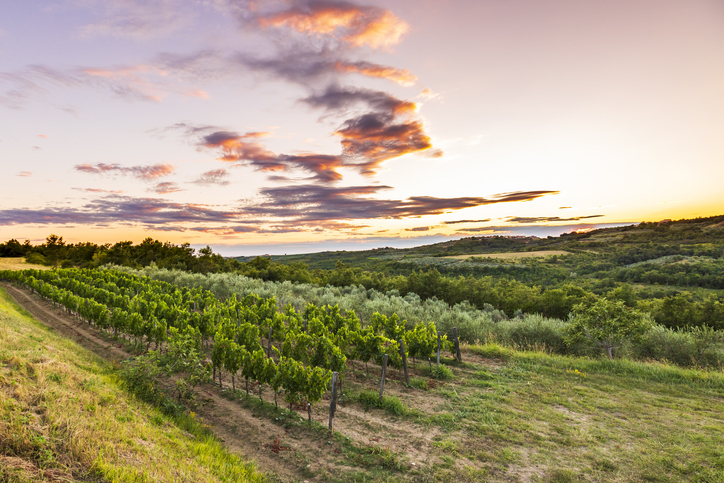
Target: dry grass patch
{"type": "Point", "coordinates": [18, 263]}
{"type": "Point", "coordinates": [513, 255]}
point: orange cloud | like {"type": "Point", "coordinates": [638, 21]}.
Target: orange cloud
{"type": "Point", "coordinates": [352, 24]}
{"type": "Point", "coordinates": [24, 174]}
{"type": "Point", "coordinates": [401, 76]}
{"type": "Point", "coordinates": [146, 173]}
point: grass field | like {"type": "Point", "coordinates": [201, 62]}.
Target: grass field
{"type": "Point", "coordinates": [18, 263]}
{"type": "Point", "coordinates": [511, 255]}
{"type": "Point", "coordinates": [64, 418]}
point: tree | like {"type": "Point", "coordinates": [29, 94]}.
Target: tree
{"type": "Point", "coordinates": [606, 323]}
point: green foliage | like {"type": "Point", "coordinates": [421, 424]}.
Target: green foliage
{"type": "Point", "coordinates": [607, 324]}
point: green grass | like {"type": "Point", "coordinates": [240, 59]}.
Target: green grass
{"type": "Point", "coordinates": [64, 417]}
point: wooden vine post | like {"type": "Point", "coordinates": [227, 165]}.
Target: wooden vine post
{"type": "Point", "coordinates": [333, 402]}
{"type": "Point", "coordinates": [404, 362]}
{"type": "Point", "coordinates": [269, 346]}
{"type": "Point", "coordinates": [382, 379]}
{"type": "Point", "coordinates": [457, 345]}
{"type": "Point", "coordinates": [439, 344]}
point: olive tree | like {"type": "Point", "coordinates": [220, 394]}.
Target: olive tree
{"type": "Point", "coordinates": [607, 324]}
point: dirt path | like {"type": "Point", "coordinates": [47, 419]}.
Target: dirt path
{"type": "Point", "coordinates": [309, 457]}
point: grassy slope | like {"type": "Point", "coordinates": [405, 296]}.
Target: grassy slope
{"type": "Point", "coordinates": [567, 419]}
{"type": "Point", "coordinates": [63, 417]}
{"type": "Point", "coordinates": [694, 231]}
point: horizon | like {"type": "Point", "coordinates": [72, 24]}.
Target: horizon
{"type": "Point", "coordinates": [303, 126]}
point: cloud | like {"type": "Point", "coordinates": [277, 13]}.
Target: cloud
{"type": "Point", "coordinates": [340, 99]}
{"type": "Point", "coordinates": [387, 132]}
{"type": "Point", "coordinates": [456, 222]}
{"type": "Point", "coordinates": [164, 188]}
{"type": "Point", "coordinates": [401, 76]}
{"type": "Point", "coordinates": [367, 140]}
{"type": "Point", "coordinates": [119, 209]}
{"type": "Point", "coordinates": [314, 203]}
{"type": "Point", "coordinates": [145, 173]}
{"type": "Point", "coordinates": [544, 219]}
{"type": "Point", "coordinates": [137, 19]}
{"type": "Point", "coordinates": [144, 82]}
{"type": "Point", "coordinates": [213, 177]}
{"type": "Point", "coordinates": [24, 174]}
{"type": "Point", "coordinates": [351, 24]}
{"type": "Point", "coordinates": [420, 228]}
{"type": "Point", "coordinates": [304, 64]}
{"type": "Point", "coordinates": [98, 190]}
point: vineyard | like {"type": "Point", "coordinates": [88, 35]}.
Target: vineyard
{"type": "Point", "coordinates": [500, 415]}
{"type": "Point", "coordinates": [295, 354]}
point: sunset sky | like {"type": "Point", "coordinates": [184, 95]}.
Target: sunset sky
{"type": "Point", "coordinates": [289, 126]}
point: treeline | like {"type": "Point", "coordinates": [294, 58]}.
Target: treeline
{"type": "Point", "coordinates": [508, 291]}
{"type": "Point", "coordinates": [57, 253]}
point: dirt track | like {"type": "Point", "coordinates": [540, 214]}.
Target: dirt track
{"type": "Point", "coordinates": [310, 457]}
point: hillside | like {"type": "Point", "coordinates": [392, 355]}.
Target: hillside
{"type": "Point", "coordinates": [499, 416]}
{"type": "Point", "coordinates": [64, 417]}
{"type": "Point", "coordinates": [688, 232]}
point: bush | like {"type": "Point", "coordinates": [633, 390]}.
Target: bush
{"type": "Point", "coordinates": [36, 259]}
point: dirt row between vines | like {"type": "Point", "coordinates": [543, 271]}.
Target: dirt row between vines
{"type": "Point", "coordinates": [305, 455]}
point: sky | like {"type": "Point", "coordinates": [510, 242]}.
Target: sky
{"type": "Point", "coordinates": [297, 126]}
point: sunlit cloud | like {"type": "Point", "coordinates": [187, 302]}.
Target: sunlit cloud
{"type": "Point", "coordinates": [401, 76]}
{"type": "Point", "coordinates": [420, 228]}
{"type": "Point", "coordinates": [456, 222]}
{"type": "Point", "coordinates": [546, 219]}
{"type": "Point", "coordinates": [317, 203]}
{"type": "Point", "coordinates": [145, 173]}
{"type": "Point", "coordinates": [164, 188]}
{"type": "Point", "coordinates": [346, 22]}
{"type": "Point", "coordinates": [24, 174]}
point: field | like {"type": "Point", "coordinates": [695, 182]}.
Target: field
{"type": "Point", "coordinates": [501, 415]}
{"type": "Point", "coordinates": [18, 263]}
{"type": "Point", "coordinates": [513, 255]}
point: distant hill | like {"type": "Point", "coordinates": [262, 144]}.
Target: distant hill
{"type": "Point", "coordinates": [695, 231]}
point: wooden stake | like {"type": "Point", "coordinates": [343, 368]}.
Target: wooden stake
{"type": "Point", "coordinates": [457, 345]}
{"type": "Point", "coordinates": [439, 344]}
{"type": "Point", "coordinates": [268, 349]}
{"type": "Point", "coordinates": [382, 379]}
{"type": "Point", "coordinates": [333, 402]}
{"type": "Point", "coordinates": [404, 362]}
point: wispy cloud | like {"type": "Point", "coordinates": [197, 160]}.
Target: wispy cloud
{"type": "Point", "coordinates": [217, 177]}
{"type": "Point", "coordinates": [97, 190]}
{"type": "Point", "coordinates": [24, 174]}
{"type": "Point", "coordinates": [119, 209]}
{"type": "Point", "coordinates": [142, 82]}
{"type": "Point", "coordinates": [164, 188]}
{"type": "Point", "coordinates": [311, 203]}
{"type": "Point", "coordinates": [145, 173]}
{"type": "Point", "coordinates": [137, 19]}
{"type": "Point", "coordinates": [457, 222]}
{"type": "Point", "coordinates": [546, 219]}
